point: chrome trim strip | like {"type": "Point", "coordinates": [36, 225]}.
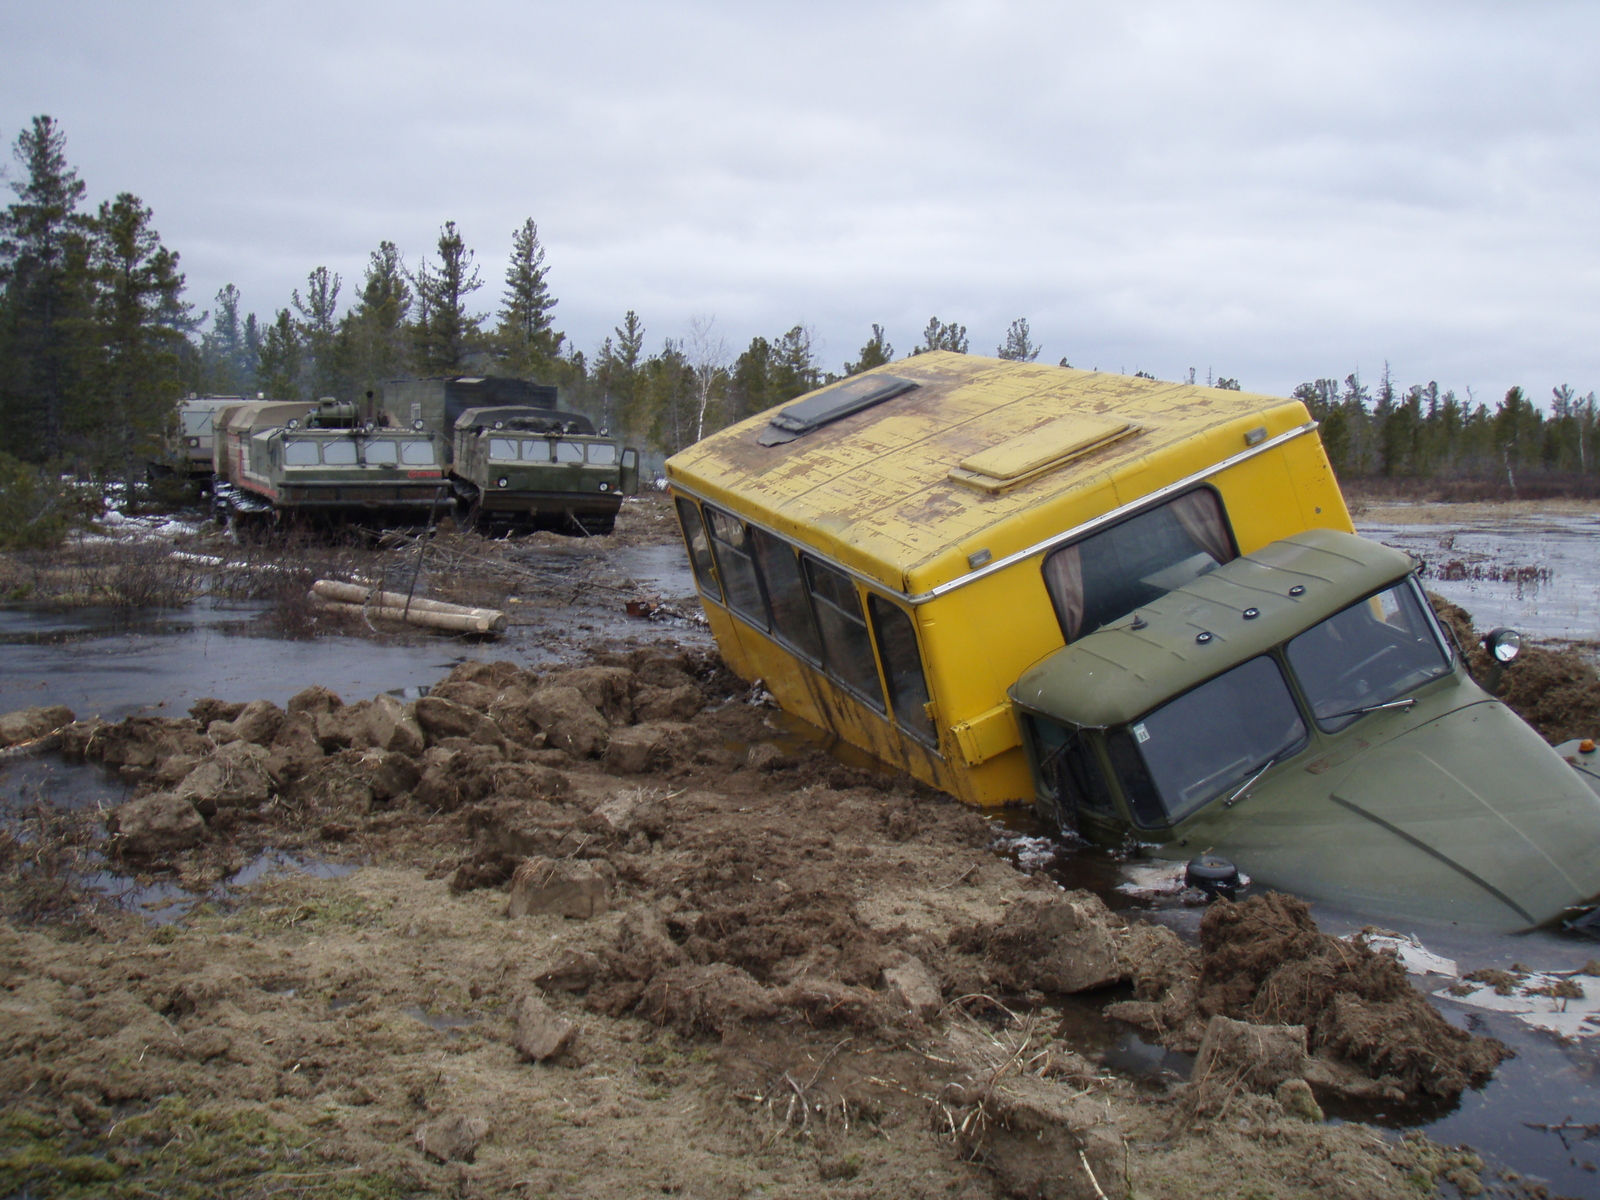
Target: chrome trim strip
{"type": "Point", "coordinates": [1148, 500]}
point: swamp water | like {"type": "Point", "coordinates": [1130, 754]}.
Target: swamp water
{"type": "Point", "coordinates": [115, 664]}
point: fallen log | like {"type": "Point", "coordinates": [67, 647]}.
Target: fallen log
{"type": "Point", "coordinates": [335, 596]}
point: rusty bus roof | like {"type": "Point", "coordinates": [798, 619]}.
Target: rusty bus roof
{"type": "Point", "coordinates": [906, 487]}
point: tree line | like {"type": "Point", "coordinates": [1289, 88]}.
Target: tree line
{"type": "Point", "coordinates": [97, 342]}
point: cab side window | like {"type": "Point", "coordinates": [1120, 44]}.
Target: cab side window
{"type": "Point", "coordinates": [902, 667]}
{"type": "Point", "coordinates": [1108, 574]}
{"type": "Point", "coordinates": [846, 645]}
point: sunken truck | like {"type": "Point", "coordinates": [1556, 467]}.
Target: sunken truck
{"type": "Point", "coordinates": [281, 461]}
{"type": "Point", "coordinates": [1142, 608]}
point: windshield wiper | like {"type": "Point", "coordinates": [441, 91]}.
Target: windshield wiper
{"type": "Point", "coordinates": [1265, 767]}
{"type": "Point", "coordinates": [1366, 708]}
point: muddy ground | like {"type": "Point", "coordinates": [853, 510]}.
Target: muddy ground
{"type": "Point", "coordinates": [611, 934]}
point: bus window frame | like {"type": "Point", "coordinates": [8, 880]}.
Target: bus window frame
{"type": "Point", "coordinates": [810, 657]}
{"type": "Point", "coordinates": [714, 590]}
{"type": "Point", "coordinates": [877, 602]}
{"type": "Point", "coordinates": [762, 620]}
{"type": "Point", "coordinates": [880, 703]}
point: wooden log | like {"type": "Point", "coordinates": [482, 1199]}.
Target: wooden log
{"type": "Point", "coordinates": [486, 621]}
{"type": "Point", "coordinates": [433, 614]}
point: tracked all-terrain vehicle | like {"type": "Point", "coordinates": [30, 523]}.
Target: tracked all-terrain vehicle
{"type": "Point", "coordinates": [540, 469]}
{"type": "Point", "coordinates": [281, 462]}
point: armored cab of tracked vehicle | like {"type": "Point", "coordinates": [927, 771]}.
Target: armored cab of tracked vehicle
{"type": "Point", "coordinates": [277, 462]}
{"type": "Point", "coordinates": [541, 469]}
{"type": "Point", "coordinates": [439, 403]}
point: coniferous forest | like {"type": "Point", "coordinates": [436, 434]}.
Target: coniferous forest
{"type": "Point", "coordinates": [98, 340]}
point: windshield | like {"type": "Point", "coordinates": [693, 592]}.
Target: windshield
{"type": "Point", "coordinates": [602, 454]}
{"type": "Point", "coordinates": [197, 421]}
{"type": "Point", "coordinates": [568, 452]}
{"type": "Point", "coordinates": [1206, 741]}
{"type": "Point", "coordinates": [299, 452]}
{"type": "Point", "coordinates": [379, 454]}
{"type": "Point", "coordinates": [417, 454]}
{"type": "Point", "coordinates": [339, 454]}
{"type": "Point", "coordinates": [1376, 650]}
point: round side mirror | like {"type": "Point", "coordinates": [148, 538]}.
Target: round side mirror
{"type": "Point", "coordinates": [1503, 645]}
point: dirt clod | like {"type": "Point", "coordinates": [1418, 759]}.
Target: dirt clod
{"type": "Point", "coordinates": [1265, 961]}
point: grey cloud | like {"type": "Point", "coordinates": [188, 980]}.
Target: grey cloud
{"type": "Point", "coordinates": [1275, 191]}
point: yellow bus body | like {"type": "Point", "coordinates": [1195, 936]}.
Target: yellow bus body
{"type": "Point", "coordinates": [884, 495]}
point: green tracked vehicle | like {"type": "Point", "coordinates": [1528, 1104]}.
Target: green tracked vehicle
{"type": "Point", "coordinates": [539, 468]}
{"type": "Point", "coordinates": [278, 462]}
{"type": "Point", "coordinates": [1301, 712]}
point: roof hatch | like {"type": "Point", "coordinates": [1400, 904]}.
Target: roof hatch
{"type": "Point", "coordinates": [1025, 457]}
{"type": "Point", "coordinates": [831, 404]}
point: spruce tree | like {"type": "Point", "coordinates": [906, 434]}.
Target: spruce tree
{"type": "Point", "coordinates": [750, 388]}
{"type": "Point", "coordinates": [142, 325]}
{"type": "Point", "coordinates": [45, 305]}
{"type": "Point", "coordinates": [794, 369]}
{"type": "Point", "coordinates": [225, 368]}
{"type": "Point", "coordinates": [1018, 346]}
{"type": "Point", "coordinates": [941, 336]}
{"type": "Point", "coordinates": [445, 333]}
{"type": "Point", "coordinates": [318, 332]}
{"type": "Point", "coordinates": [525, 344]}
{"type": "Point", "coordinates": [372, 335]}
{"type": "Point", "coordinates": [278, 374]}
{"type": "Point", "coordinates": [875, 353]}
{"type": "Point", "coordinates": [624, 404]}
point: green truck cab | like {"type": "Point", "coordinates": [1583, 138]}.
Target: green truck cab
{"type": "Point", "coordinates": [1302, 712]}
{"type": "Point", "coordinates": [277, 462]}
{"type": "Point", "coordinates": [540, 468]}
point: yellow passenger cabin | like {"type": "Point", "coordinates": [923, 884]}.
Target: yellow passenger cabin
{"type": "Point", "coordinates": [890, 553]}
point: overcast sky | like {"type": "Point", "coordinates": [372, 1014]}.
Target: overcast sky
{"type": "Point", "coordinates": [1268, 191]}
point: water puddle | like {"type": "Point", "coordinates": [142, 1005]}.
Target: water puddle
{"type": "Point", "coordinates": [1536, 1115]}
{"type": "Point", "coordinates": [1538, 573]}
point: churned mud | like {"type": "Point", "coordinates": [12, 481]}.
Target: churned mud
{"type": "Point", "coordinates": [595, 920]}
{"type": "Point", "coordinates": [609, 937]}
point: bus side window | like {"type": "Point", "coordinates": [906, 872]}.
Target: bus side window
{"type": "Point", "coordinates": [786, 592]}
{"type": "Point", "coordinates": [730, 543]}
{"type": "Point", "coordinates": [694, 535]}
{"type": "Point", "coordinates": [846, 646]}
{"type": "Point", "coordinates": [902, 667]}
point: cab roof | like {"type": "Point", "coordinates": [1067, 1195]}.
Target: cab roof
{"type": "Point", "coordinates": [890, 469]}
{"type": "Point", "coordinates": [1119, 673]}
{"type": "Point", "coordinates": [519, 418]}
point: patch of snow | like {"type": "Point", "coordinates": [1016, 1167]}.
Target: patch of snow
{"type": "Point", "coordinates": [1413, 955]}
{"type": "Point", "coordinates": [1528, 1000]}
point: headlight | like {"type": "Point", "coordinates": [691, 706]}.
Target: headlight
{"type": "Point", "coordinates": [605, 487]}
{"type": "Point", "coordinates": [501, 481]}
{"type": "Point", "coordinates": [193, 442]}
{"type": "Point", "coordinates": [1503, 644]}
